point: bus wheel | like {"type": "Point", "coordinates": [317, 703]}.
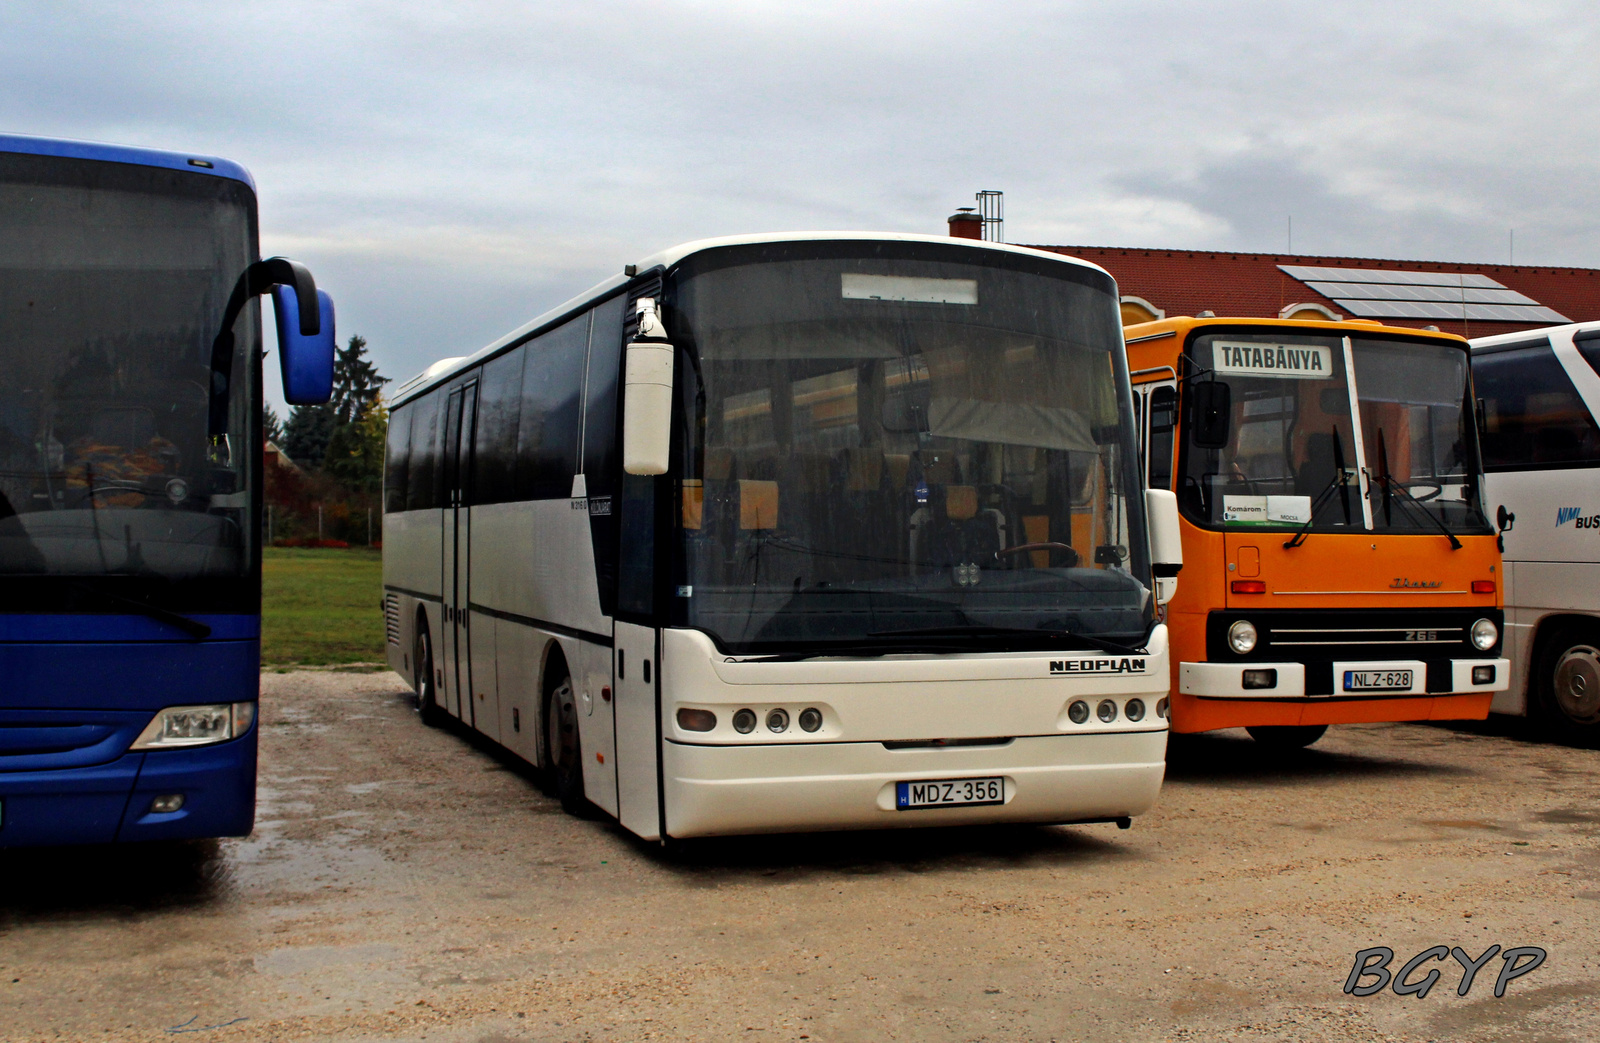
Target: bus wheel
{"type": "Point", "coordinates": [427, 691]}
{"type": "Point", "coordinates": [1286, 736]}
{"type": "Point", "coordinates": [562, 749]}
{"type": "Point", "coordinates": [1569, 683]}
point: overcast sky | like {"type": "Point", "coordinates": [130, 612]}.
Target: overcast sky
{"type": "Point", "coordinates": [451, 170]}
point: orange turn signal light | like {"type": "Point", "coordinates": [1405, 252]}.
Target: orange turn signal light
{"type": "Point", "coordinates": [1483, 586]}
{"type": "Point", "coordinates": [1249, 586]}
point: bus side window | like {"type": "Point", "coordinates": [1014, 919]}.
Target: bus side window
{"type": "Point", "coordinates": [552, 393]}
{"type": "Point", "coordinates": [602, 466]}
{"type": "Point", "coordinates": [421, 467]}
{"type": "Point", "coordinates": [1163, 412]}
{"type": "Point", "coordinates": [499, 407]}
{"type": "Point", "coordinates": [1532, 413]}
{"type": "Point", "coordinates": [397, 458]}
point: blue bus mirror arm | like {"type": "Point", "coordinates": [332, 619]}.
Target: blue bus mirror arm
{"type": "Point", "coordinates": [305, 341]}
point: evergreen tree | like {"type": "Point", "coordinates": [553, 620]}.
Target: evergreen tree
{"type": "Point", "coordinates": [306, 435]}
{"type": "Point", "coordinates": [355, 452]}
{"type": "Point", "coordinates": [271, 427]}
{"type": "Point", "coordinates": [356, 383]}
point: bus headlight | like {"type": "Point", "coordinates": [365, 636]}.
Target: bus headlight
{"type": "Point", "coordinates": [1484, 634]}
{"type": "Point", "coordinates": [744, 722]}
{"type": "Point", "coordinates": [1106, 711]}
{"type": "Point", "coordinates": [179, 726]}
{"type": "Point", "coordinates": [1242, 636]}
{"type": "Point", "coordinates": [1134, 709]}
{"type": "Point", "coordinates": [1078, 712]}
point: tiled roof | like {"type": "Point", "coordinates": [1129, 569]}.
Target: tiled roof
{"type": "Point", "coordinates": [1185, 282]}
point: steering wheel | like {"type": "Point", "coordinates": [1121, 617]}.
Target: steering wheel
{"type": "Point", "coordinates": [1435, 487]}
{"type": "Point", "coordinates": [1048, 546]}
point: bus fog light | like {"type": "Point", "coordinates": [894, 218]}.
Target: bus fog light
{"type": "Point", "coordinates": [1134, 709]}
{"type": "Point", "coordinates": [778, 721]}
{"type": "Point", "coordinates": [1078, 712]}
{"type": "Point", "coordinates": [1261, 678]}
{"type": "Point", "coordinates": [744, 722]}
{"type": "Point", "coordinates": [1242, 636]}
{"type": "Point", "coordinates": [692, 720]}
{"type": "Point", "coordinates": [178, 726]}
{"type": "Point", "coordinates": [1106, 711]}
{"type": "Point", "coordinates": [810, 719]}
{"type": "Point", "coordinates": [1484, 634]}
{"type": "Point", "coordinates": [1162, 706]}
{"type": "Point", "coordinates": [166, 804]}
{"type": "Point", "coordinates": [1483, 675]}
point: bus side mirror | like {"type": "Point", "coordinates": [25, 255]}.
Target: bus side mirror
{"type": "Point", "coordinates": [1166, 541]}
{"type": "Point", "coordinates": [647, 408]}
{"type": "Point", "coordinates": [306, 360]}
{"type": "Point", "coordinates": [1210, 404]}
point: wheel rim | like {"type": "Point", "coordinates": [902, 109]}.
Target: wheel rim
{"type": "Point", "coordinates": [1577, 683]}
{"type": "Point", "coordinates": [562, 727]}
{"type": "Point", "coordinates": [424, 671]}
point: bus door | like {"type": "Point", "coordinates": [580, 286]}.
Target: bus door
{"type": "Point", "coordinates": [634, 665]}
{"type": "Point", "coordinates": [1156, 406]}
{"type": "Point", "coordinates": [460, 419]}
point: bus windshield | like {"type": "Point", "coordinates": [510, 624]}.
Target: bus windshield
{"type": "Point", "coordinates": [113, 279]}
{"type": "Point", "coordinates": [1294, 454]}
{"type": "Point", "coordinates": [902, 447]}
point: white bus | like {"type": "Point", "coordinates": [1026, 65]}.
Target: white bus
{"type": "Point", "coordinates": [796, 532]}
{"type": "Point", "coordinates": [1540, 396]}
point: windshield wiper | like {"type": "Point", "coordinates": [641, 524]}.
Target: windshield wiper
{"type": "Point", "coordinates": [1338, 483]}
{"type": "Point", "coordinates": [193, 627]}
{"type": "Point", "coordinates": [1406, 496]}
{"type": "Point", "coordinates": [870, 650]}
{"type": "Point", "coordinates": [983, 630]}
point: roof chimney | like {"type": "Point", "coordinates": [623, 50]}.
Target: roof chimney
{"type": "Point", "coordinates": [964, 224]}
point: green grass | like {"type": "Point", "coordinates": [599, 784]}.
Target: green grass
{"type": "Point", "coordinates": [321, 607]}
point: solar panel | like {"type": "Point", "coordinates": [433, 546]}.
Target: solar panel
{"type": "Point", "coordinates": [1370, 309]}
{"type": "Point", "coordinates": [1393, 293]}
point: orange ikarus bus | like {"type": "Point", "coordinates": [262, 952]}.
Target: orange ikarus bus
{"type": "Point", "coordinates": [1338, 563]}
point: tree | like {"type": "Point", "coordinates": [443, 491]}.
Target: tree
{"type": "Point", "coordinates": [356, 383]}
{"type": "Point", "coordinates": [272, 427]}
{"type": "Point", "coordinates": [306, 435]}
{"type": "Point", "coordinates": [355, 452]}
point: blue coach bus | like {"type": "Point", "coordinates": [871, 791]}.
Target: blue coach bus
{"type": "Point", "coordinates": [130, 487]}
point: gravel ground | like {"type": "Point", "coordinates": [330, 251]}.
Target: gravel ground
{"type": "Point", "coordinates": [405, 883]}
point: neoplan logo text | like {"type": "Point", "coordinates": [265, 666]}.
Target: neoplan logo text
{"type": "Point", "coordinates": [1096, 666]}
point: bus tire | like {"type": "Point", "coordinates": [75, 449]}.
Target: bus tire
{"type": "Point", "coordinates": [1286, 736]}
{"type": "Point", "coordinates": [563, 748]}
{"type": "Point", "coordinates": [428, 708]}
{"type": "Point", "coordinates": [1567, 691]}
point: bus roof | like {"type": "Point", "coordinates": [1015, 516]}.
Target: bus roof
{"type": "Point", "coordinates": [1180, 325]}
{"type": "Point", "coordinates": [1523, 336]}
{"type": "Point", "coordinates": [442, 370]}
{"type": "Point", "coordinates": [147, 157]}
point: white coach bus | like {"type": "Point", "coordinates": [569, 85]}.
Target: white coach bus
{"type": "Point", "coordinates": [1540, 396]}
{"type": "Point", "coordinates": [798, 532]}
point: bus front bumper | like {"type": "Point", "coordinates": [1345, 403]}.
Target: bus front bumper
{"type": "Point", "coordinates": [112, 802]}
{"type": "Point", "coordinates": [1288, 680]}
{"type": "Point", "coordinates": [725, 790]}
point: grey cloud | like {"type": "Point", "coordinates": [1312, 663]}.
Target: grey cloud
{"type": "Point", "coordinates": [452, 170]}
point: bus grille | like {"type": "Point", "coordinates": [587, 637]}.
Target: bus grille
{"type": "Point", "coordinates": [1352, 634]}
{"type": "Point", "coordinates": [391, 618]}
